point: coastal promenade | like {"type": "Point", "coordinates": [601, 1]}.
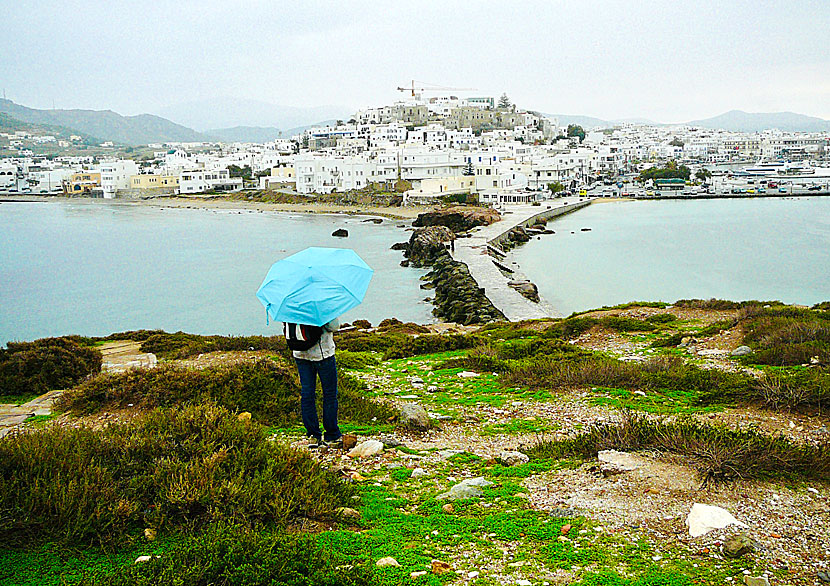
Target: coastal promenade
{"type": "Point", "coordinates": [473, 252]}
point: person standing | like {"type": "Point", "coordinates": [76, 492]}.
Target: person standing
{"type": "Point", "coordinates": [319, 361]}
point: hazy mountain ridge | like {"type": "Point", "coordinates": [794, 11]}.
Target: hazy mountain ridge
{"type": "Point", "coordinates": [224, 113]}
{"type": "Point", "coordinates": [257, 134]}
{"type": "Point", "coordinates": [12, 124]}
{"type": "Point", "coordinates": [734, 121]}
{"type": "Point", "coordinates": [740, 121]}
{"type": "Point", "coordinates": [106, 124]}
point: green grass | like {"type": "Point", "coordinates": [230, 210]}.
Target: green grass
{"type": "Point", "coordinates": [518, 427]}
{"type": "Point", "coordinates": [658, 401]}
{"type": "Point", "coordinates": [17, 399]}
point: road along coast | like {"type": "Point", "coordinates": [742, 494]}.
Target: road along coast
{"type": "Point", "coordinates": [478, 251]}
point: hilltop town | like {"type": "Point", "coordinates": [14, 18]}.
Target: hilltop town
{"type": "Point", "coordinates": [427, 147]}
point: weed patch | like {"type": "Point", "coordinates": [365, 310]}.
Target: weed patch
{"type": "Point", "coordinates": [718, 453]}
{"type": "Point", "coordinates": [180, 468]}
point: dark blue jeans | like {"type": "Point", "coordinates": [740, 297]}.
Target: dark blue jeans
{"type": "Point", "coordinates": [327, 370]}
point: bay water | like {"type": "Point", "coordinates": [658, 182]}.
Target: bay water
{"type": "Point", "coordinates": [765, 249]}
{"type": "Point", "coordinates": [94, 268]}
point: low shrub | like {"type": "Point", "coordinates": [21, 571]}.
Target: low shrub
{"type": "Point", "coordinates": [178, 468]}
{"type": "Point", "coordinates": [183, 345]}
{"type": "Point", "coordinates": [429, 344]}
{"type": "Point", "coordinates": [268, 389]}
{"type": "Point", "coordinates": [33, 368]}
{"type": "Point", "coordinates": [718, 453]}
{"type": "Point", "coordinates": [356, 360]}
{"type": "Point", "coordinates": [720, 304]}
{"type": "Point", "coordinates": [661, 318]}
{"type": "Point", "coordinates": [707, 387]}
{"type": "Point", "coordinates": [787, 336]}
{"type": "Point", "coordinates": [804, 388]}
{"type": "Point", "coordinates": [669, 341]}
{"type": "Point", "coordinates": [233, 554]}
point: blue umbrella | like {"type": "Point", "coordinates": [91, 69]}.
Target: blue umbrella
{"type": "Point", "coordinates": [315, 285]}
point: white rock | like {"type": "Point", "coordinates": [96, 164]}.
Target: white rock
{"type": "Point", "coordinates": [365, 449]}
{"type": "Point", "coordinates": [524, 583]}
{"type": "Point", "coordinates": [512, 458]}
{"type": "Point", "coordinates": [622, 460]}
{"type": "Point", "coordinates": [756, 581]}
{"type": "Point", "coordinates": [704, 518]}
{"type": "Point", "coordinates": [143, 558]}
{"type": "Point", "coordinates": [387, 562]}
{"type": "Point", "coordinates": [472, 575]}
{"type": "Point", "coordinates": [467, 374]}
{"type": "Point", "coordinates": [418, 472]}
{"type": "Point", "coordinates": [470, 488]}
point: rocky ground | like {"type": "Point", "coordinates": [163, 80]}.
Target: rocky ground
{"type": "Point", "coordinates": [554, 522]}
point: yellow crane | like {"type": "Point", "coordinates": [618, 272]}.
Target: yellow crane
{"type": "Point", "coordinates": [430, 87]}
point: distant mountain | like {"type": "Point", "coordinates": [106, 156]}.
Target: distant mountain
{"type": "Point", "coordinates": [739, 121]}
{"type": "Point", "coordinates": [300, 129]}
{"type": "Point", "coordinates": [232, 112]}
{"type": "Point", "coordinates": [10, 124]}
{"type": "Point", "coordinates": [246, 134]}
{"type": "Point", "coordinates": [586, 122]}
{"type": "Point", "coordinates": [106, 124]}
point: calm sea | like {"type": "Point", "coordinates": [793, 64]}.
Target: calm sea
{"type": "Point", "coordinates": [94, 268]}
{"type": "Point", "coordinates": [775, 248]}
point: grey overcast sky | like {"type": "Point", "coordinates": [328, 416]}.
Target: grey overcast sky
{"type": "Point", "coordinates": [669, 60]}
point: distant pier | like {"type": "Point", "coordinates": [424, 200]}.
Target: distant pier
{"type": "Point", "coordinates": [473, 252]}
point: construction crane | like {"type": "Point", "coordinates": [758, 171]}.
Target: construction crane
{"type": "Point", "coordinates": [432, 88]}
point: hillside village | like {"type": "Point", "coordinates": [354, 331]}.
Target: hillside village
{"type": "Point", "coordinates": [433, 146]}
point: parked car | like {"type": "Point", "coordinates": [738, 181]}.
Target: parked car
{"type": "Point", "coordinates": [814, 188]}
{"type": "Point", "coordinates": [782, 190]}
{"type": "Point", "coordinates": [750, 191]}
{"type": "Point", "coordinates": [761, 190]}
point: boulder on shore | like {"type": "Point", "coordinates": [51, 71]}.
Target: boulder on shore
{"type": "Point", "coordinates": [340, 233]}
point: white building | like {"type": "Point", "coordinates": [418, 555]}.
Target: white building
{"type": "Point", "coordinates": [201, 180]}
{"type": "Point", "coordinates": [116, 175]}
{"type": "Point", "coordinates": [324, 173]}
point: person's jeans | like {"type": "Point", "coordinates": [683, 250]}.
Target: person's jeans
{"type": "Point", "coordinates": [327, 370]}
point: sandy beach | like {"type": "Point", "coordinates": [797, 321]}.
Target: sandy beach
{"type": "Point", "coordinates": [224, 203]}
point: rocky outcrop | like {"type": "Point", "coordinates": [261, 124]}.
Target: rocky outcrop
{"type": "Point", "coordinates": [515, 236]}
{"type": "Point", "coordinates": [526, 288]}
{"type": "Point", "coordinates": [458, 218]}
{"type": "Point", "coordinates": [458, 298]}
{"type": "Point", "coordinates": [426, 244]}
{"type": "Point", "coordinates": [340, 233]}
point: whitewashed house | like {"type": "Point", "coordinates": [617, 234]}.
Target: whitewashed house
{"type": "Point", "coordinates": [116, 175]}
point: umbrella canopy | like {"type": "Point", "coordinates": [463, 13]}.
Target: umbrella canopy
{"type": "Point", "coordinates": [315, 285]}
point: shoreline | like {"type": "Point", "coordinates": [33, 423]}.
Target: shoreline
{"type": "Point", "coordinates": [221, 203]}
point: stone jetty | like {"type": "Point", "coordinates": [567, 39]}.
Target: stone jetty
{"type": "Point", "coordinates": [475, 252]}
